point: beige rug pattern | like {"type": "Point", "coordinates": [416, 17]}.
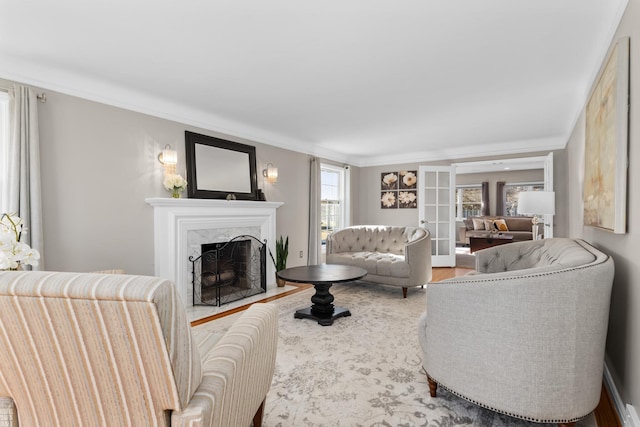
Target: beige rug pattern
{"type": "Point", "coordinates": [364, 370]}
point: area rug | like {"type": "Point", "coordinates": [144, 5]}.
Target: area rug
{"type": "Point", "coordinates": [364, 370]}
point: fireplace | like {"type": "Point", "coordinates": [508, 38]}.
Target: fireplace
{"type": "Point", "coordinates": [229, 271]}
{"type": "Point", "coordinates": [182, 226]}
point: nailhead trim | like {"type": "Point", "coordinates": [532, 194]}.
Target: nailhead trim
{"type": "Point", "coordinates": [535, 420]}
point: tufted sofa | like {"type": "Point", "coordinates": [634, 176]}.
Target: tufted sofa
{"type": "Point", "coordinates": [397, 256]}
{"type": "Point", "coordinates": [525, 335]}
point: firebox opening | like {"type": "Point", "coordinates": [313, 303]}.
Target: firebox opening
{"type": "Point", "coordinates": [229, 271]}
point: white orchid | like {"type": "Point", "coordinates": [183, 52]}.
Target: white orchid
{"type": "Point", "coordinates": [13, 252]}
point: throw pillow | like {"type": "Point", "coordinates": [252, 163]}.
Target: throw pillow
{"type": "Point", "coordinates": [488, 224]}
{"type": "Point", "coordinates": [501, 224]}
{"type": "Point", "coordinates": [478, 223]}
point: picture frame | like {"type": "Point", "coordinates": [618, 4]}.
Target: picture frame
{"type": "Point", "coordinates": [220, 169]}
{"type": "Point", "coordinates": [606, 144]}
{"type": "Point", "coordinates": [398, 190]}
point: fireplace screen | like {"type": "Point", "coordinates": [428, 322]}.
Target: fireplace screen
{"type": "Point", "coordinates": [229, 271]}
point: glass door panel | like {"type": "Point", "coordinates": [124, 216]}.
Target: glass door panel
{"type": "Point", "coordinates": [437, 212]}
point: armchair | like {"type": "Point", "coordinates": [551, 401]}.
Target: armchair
{"type": "Point", "coordinates": [110, 349]}
{"type": "Point", "coordinates": [525, 336]}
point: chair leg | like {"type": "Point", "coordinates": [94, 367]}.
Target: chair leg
{"type": "Point", "coordinates": [404, 292]}
{"type": "Point", "coordinates": [433, 386]}
{"type": "Point", "coordinates": [257, 418]}
{"type": "Point", "coordinates": [566, 424]}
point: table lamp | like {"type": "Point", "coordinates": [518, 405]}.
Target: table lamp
{"type": "Point", "coordinates": [536, 203]}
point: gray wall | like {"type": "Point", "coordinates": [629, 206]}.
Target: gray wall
{"type": "Point", "coordinates": [99, 163]}
{"type": "Point", "coordinates": [623, 342]}
{"type": "Point", "coordinates": [369, 197]}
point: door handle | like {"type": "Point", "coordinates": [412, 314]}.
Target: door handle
{"type": "Point", "coordinates": [422, 221]}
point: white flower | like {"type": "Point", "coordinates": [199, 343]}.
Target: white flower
{"type": "Point", "coordinates": [388, 199]}
{"type": "Point", "coordinates": [406, 197]}
{"type": "Point", "coordinates": [174, 182]}
{"type": "Point", "coordinates": [5, 262]}
{"type": "Point", "coordinates": [409, 179]}
{"type": "Point", "coordinates": [13, 252]}
{"type": "Point", "coordinates": [390, 179]}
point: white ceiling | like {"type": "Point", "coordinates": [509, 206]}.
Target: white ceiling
{"type": "Point", "coordinates": [367, 82]}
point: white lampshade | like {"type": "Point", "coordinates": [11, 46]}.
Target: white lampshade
{"type": "Point", "coordinates": [537, 202]}
{"type": "Point", "coordinates": [169, 156]}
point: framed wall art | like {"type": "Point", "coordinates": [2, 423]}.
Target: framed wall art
{"type": "Point", "coordinates": [399, 190]}
{"type": "Point", "coordinates": [606, 144]}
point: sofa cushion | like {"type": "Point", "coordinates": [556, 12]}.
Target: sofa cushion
{"type": "Point", "coordinates": [501, 224]}
{"type": "Point", "coordinates": [382, 264]}
{"type": "Point", "coordinates": [518, 223]}
{"type": "Point", "coordinates": [478, 223]}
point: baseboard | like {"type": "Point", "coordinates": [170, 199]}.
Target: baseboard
{"type": "Point", "coordinates": [626, 413]}
{"type": "Point", "coordinates": [632, 417]}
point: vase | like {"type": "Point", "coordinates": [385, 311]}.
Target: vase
{"type": "Point", "coordinates": [175, 194]}
{"type": "Point", "coordinates": [280, 282]}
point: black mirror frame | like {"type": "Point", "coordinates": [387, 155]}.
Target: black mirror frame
{"type": "Point", "coordinates": [191, 139]}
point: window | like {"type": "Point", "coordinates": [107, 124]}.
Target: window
{"type": "Point", "coordinates": [4, 141]}
{"type": "Point", "coordinates": [468, 201]}
{"type": "Point", "coordinates": [333, 199]}
{"type": "Point", "coordinates": [512, 191]}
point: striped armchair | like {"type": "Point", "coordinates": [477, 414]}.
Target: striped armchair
{"type": "Point", "coordinates": [109, 349]}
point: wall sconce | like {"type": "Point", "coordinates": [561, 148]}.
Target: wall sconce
{"type": "Point", "coordinates": [169, 159]}
{"type": "Point", "coordinates": [271, 173]}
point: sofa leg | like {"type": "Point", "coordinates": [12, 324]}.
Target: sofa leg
{"type": "Point", "coordinates": [257, 418]}
{"type": "Point", "coordinates": [566, 424]}
{"type": "Point", "coordinates": [404, 292]}
{"type": "Point", "coordinates": [433, 386]}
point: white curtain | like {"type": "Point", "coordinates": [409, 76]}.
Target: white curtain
{"type": "Point", "coordinates": [21, 192]}
{"type": "Point", "coordinates": [315, 243]}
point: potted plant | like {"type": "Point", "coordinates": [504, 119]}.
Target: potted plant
{"type": "Point", "coordinates": [280, 261]}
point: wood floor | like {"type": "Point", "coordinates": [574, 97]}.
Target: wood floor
{"type": "Point", "coordinates": [605, 413]}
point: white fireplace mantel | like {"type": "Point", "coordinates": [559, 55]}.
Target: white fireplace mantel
{"type": "Point", "coordinates": [174, 219]}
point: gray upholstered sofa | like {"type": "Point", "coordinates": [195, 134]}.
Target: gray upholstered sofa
{"type": "Point", "coordinates": [525, 335]}
{"type": "Point", "coordinates": [520, 227]}
{"type": "Point", "coordinates": [397, 256]}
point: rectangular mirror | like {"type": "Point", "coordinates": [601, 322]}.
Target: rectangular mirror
{"type": "Point", "coordinates": [217, 168]}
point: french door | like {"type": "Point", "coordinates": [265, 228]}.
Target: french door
{"type": "Point", "coordinates": [436, 211]}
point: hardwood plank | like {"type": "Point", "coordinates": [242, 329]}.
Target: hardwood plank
{"type": "Point", "coordinates": [605, 413]}
{"type": "Point", "coordinates": [299, 288]}
{"type": "Point", "coordinates": [443, 273]}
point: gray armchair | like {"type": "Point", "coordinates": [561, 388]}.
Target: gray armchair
{"type": "Point", "coordinates": [525, 335]}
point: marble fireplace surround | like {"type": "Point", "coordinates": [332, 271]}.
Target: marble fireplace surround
{"type": "Point", "coordinates": [180, 226]}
